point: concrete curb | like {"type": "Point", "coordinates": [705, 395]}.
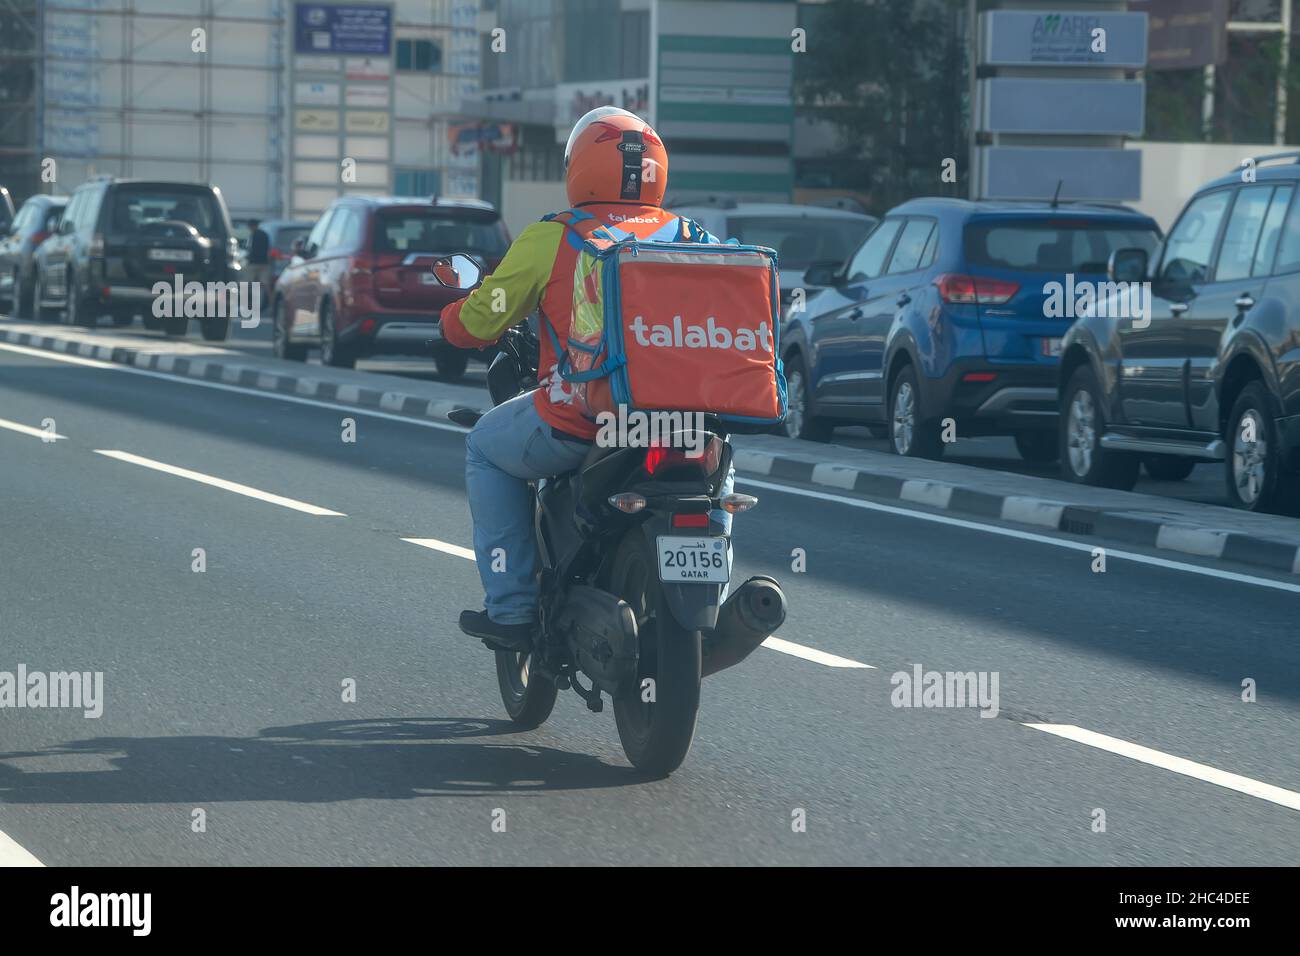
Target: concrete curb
{"type": "Point", "coordinates": [1183, 538]}
{"type": "Point", "coordinates": [1039, 512]}
{"type": "Point", "coordinates": [230, 371]}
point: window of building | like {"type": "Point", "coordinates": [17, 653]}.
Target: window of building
{"type": "Point", "coordinates": [419, 56]}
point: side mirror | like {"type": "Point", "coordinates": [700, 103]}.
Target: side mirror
{"type": "Point", "coordinates": [458, 272]}
{"type": "Point", "coordinates": [822, 273]}
{"type": "Point", "coordinates": [1127, 265]}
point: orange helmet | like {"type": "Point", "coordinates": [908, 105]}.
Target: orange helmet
{"type": "Point", "coordinates": [613, 155]}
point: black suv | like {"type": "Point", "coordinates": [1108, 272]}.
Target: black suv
{"type": "Point", "coordinates": [119, 237]}
{"type": "Point", "coordinates": [1213, 373]}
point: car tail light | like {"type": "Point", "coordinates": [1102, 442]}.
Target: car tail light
{"type": "Point", "coordinates": [39, 237]}
{"type": "Point", "coordinates": [696, 520]}
{"type": "Point", "coordinates": [363, 264]}
{"type": "Point", "coordinates": [276, 254]}
{"type": "Point", "coordinates": [979, 376]}
{"type": "Point", "coordinates": [367, 326]}
{"type": "Point", "coordinates": [970, 290]}
{"type": "Point", "coordinates": [96, 245]}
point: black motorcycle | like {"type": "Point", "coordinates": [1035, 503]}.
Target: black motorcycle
{"type": "Point", "coordinates": [634, 569]}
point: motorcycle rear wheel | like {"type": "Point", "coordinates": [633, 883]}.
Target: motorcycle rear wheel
{"type": "Point", "coordinates": [527, 702]}
{"type": "Point", "coordinates": [656, 733]}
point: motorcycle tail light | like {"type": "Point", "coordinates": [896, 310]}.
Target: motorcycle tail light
{"type": "Point", "coordinates": [697, 520]}
{"type": "Point", "coordinates": [628, 502]}
{"type": "Point", "coordinates": [734, 504]}
{"type": "Point", "coordinates": [658, 457]}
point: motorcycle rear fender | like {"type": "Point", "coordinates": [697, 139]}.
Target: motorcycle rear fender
{"type": "Point", "coordinates": [695, 605]}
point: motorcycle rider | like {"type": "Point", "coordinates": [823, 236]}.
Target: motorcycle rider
{"type": "Point", "coordinates": [616, 169]}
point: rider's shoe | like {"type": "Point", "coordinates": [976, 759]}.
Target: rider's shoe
{"type": "Point", "coordinates": [498, 637]}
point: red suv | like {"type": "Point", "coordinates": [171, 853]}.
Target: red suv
{"type": "Point", "coordinates": [359, 284]}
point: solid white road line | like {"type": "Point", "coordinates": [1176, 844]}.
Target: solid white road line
{"type": "Point", "coordinates": [1027, 536]}
{"type": "Point", "coordinates": [773, 643]}
{"type": "Point", "coordinates": [443, 546]}
{"type": "Point", "coordinates": [29, 430]}
{"type": "Point", "coordinates": [1188, 768]}
{"type": "Point", "coordinates": [811, 654]}
{"type": "Point", "coordinates": [11, 854]}
{"type": "Point", "coordinates": [218, 483]}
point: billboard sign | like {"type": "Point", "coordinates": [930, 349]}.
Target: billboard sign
{"type": "Point", "coordinates": [338, 28]}
{"type": "Point", "coordinates": [1045, 38]}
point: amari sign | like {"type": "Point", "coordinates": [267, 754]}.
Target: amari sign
{"type": "Point", "coordinates": [1034, 38]}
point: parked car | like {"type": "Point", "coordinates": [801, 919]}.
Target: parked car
{"type": "Point", "coordinates": [6, 210]}
{"type": "Point", "coordinates": [360, 283]}
{"type": "Point", "coordinates": [36, 221]}
{"type": "Point", "coordinates": [942, 312]}
{"type": "Point", "coordinates": [801, 235]}
{"type": "Point", "coordinates": [282, 233]}
{"type": "Point", "coordinates": [1214, 375]}
{"type": "Point", "coordinates": [118, 237]}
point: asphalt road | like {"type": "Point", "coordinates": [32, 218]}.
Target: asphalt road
{"type": "Point", "coordinates": [1204, 485]}
{"type": "Point", "coordinates": [223, 688]}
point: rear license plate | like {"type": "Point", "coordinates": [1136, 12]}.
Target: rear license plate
{"type": "Point", "coordinates": [1052, 348]}
{"type": "Point", "coordinates": [171, 255]}
{"type": "Point", "coordinates": [689, 560]}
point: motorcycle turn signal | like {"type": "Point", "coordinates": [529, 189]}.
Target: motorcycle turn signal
{"type": "Point", "coordinates": [736, 503]}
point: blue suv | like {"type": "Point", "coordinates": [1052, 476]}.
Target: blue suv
{"type": "Point", "coordinates": [948, 310]}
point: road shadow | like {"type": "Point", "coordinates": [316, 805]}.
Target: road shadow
{"type": "Point", "coordinates": [385, 759]}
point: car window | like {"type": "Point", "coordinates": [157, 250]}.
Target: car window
{"type": "Point", "coordinates": [911, 246]}
{"type": "Point", "coordinates": [1288, 251]}
{"type": "Point", "coordinates": [1190, 245]}
{"type": "Point", "coordinates": [800, 241]}
{"type": "Point", "coordinates": [869, 261]}
{"type": "Point", "coordinates": [1272, 231]}
{"type": "Point", "coordinates": [406, 231]}
{"type": "Point", "coordinates": [20, 221]}
{"type": "Point", "coordinates": [74, 208]}
{"type": "Point", "coordinates": [135, 205]}
{"type": "Point", "coordinates": [284, 237]}
{"type": "Point", "coordinates": [316, 237]}
{"type": "Point", "coordinates": [1065, 245]}
{"type": "Point", "coordinates": [931, 248]}
{"type": "Point", "coordinates": [338, 229]}
{"type": "Point", "coordinates": [52, 216]}
{"type": "Point", "coordinates": [1241, 238]}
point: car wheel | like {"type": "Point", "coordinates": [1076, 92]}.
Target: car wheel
{"type": "Point", "coordinates": [1038, 446]}
{"type": "Point", "coordinates": [332, 352]}
{"type": "Point", "coordinates": [1253, 469]}
{"type": "Point", "coordinates": [799, 421]}
{"type": "Point", "coordinates": [22, 297]}
{"type": "Point", "coordinates": [280, 344]}
{"type": "Point", "coordinates": [450, 363]}
{"type": "Point", "coordinates": [1168, 467]}
{"type": "Point", "coordinates": [175, 327]}
{"type": "Point", "coordinates": [76, 311]}
{"type": "Point", "coordinates": [1083, 460]}
{"type": "Point", "coordinates": [214, 328]}
{"type": "Point", "coordinates": [38, 296]}
{"type": "Point", "coordinates": [911, 432]}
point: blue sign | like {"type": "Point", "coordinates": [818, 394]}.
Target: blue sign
{"type": "Point", "coordinates": [334, 28]}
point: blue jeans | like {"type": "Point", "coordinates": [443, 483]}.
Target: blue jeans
{"type": "Point", "coordinates": [507, 448]}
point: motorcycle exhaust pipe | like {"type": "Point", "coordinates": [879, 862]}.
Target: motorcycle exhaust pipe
{"type": "Point", "coordinates": [749, 617]}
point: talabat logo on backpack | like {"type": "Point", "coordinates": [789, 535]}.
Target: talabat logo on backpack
{"type": "Point", "coordinates": [673, 325]}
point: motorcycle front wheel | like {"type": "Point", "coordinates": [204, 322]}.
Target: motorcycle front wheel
{"type": "Point", "coordinates": [656, 714]}
{"type": "Point", "coordinates": [528, 702]}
